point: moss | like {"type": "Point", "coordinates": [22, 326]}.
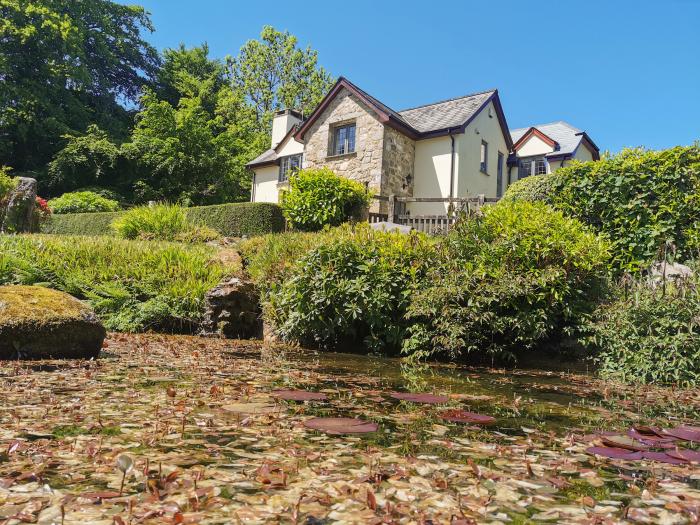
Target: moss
{"type": "Point", "coordinates": [35, 304]}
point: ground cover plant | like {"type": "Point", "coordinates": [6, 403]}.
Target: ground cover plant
{"type": "Point", "coordinates": [82, 202]}
{"type": "Point", "coordinates": [161, 222]}
{"type": "Point", "coordinates": [191, 430]}
{"type": "Point", "coordinates": [133, 285]}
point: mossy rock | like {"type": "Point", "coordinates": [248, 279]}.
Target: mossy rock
{"type": "Point", "coordinates": [40, 323]}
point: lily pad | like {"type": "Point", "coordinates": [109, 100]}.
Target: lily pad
{"type": "Point", "coordinates": [663, 457]}
{"type": "Point", "coordinates": [462, 416]}
{"type": "Point", "coordinates": [299, 395]}
{"type": "Point", "coordinates": [429, 399]}
{"type": "Point", "coordinates": [685, 433]}
{"type": "Point", "coordinates": [614, 453]}
{"type": "Point", "coordinates": [685, 454]}
{"type": "Point", "coordinates": [625, 442]}
{"type": "Point", "coordinates": [341, 425]}
{"type": "Point", "coordinates": [251, 408]}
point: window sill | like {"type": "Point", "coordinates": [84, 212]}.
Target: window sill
{"type": "Point", "coordinates": [282, 184]}
{"type": "Point", "coordinates": [343, 156]}
{"type": "Point", "coordinates": [485, 173]}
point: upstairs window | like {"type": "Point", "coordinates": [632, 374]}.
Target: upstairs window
{"type": "Point", "coordinates": [532, 166]}
{"type": "Point", "coordinates": [343, 140]}
{"type": "Point", "coordinates": [484, 164]}
{"type": "Point", "coordinates": [540, 167]}
{"type": "Point", "coordinates": [288, 165]}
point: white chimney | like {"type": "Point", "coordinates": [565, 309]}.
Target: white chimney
{"type": "Point", "coordinates": [282, 122]}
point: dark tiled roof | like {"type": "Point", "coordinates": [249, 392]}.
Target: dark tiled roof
{"type": "Point", "coordinates": [267, 157]}
{"type": "Point", "coordinates": [446, 114]}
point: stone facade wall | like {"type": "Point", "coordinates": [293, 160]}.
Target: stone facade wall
{"type": "Point", "coordinates": [397, 163]}
{"type": "Point", "coordinates": [365, 164]}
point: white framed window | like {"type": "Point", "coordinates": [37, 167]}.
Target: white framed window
{"type": "Point", "coordinates": [484, 159]}
{"type": "Point", "coordinates": [540, 167]}
{"type": "Point", "coordinates": [343, 139]}
{"type": "Point", "coordinates": [288, 164]}
{"type": "Point", "coordinates": [531, 166]}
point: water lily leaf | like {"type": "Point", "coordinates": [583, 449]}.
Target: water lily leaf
{"type": "Point", "coordinates": [341, 425]}
{"type": "Point", "coordinates": [615, 453]}
{"type": "Point", "coordinates": [430, 399]}
{"type": "Point", "coordinates": [299, 395]}
{"type": "Point", "coordinates": [651, 439]}
{"type": "Point", "coordinates": [685, 454]}
{"type": "Point", "coordinates": [462, 416]}
{"type": "Point", "coordinates": [105, 494]}
{"type": "Point", "coordinates": [663, 457]}
{"type": "Point", "coordinates": [125, 463]}
{"type": "Point", "coordinates": [251, 408]}
{"type": "Point", "coordinates": [686, 433]}
{"type": "Point", "coordinates": [625, 442]}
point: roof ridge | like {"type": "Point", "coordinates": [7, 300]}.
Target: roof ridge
{"type": "Point", "coordinates": [449, 100]}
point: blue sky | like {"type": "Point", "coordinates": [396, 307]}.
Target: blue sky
{"type": "Point", "coordinates": [628, 72]}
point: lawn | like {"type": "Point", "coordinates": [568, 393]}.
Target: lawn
{"type": "Point", "coordinates": [178, 429]}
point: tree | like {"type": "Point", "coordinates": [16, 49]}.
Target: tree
{"type": "Point", "coordinates": [66, 64]}
{"type": "Point", "coordinates": [274, 73]}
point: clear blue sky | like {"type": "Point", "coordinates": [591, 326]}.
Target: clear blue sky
{"type": "Point", "coordinates": [628, 72]}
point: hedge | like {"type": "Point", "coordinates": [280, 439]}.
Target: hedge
{"type": "Point", "coordinates": [231, 220]}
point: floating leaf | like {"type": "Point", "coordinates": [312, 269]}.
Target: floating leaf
{"type": "Point", "coordinates": [685, 454]}
{"type": "Point", "coordinates": [125, 463]}
{"type": "Point", "coordinates": [462, 416]}
{"type": "Point", "coordinates": [663, 457]}
{"type": "Point", "coordinates": [341, 425]}
{"type": "Point", "coordinates": [614, 453]}
{"type": "Point", "coordinates": [430, 399]}
{"type": "Point", "coordinates": [251, 408]}
{"type": "Point", "coordinates": [299, 395]}
{"type": "Point", "coordinates": [625, 442]}
{"type": "Point", "coordinates": [685, 433]}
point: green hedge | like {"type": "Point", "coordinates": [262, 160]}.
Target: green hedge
{"type": "Point", "coordinates": [231, 220]}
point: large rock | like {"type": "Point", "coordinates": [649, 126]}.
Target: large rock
{"type": "Point", "coordinates": [670, 271]}
{"type": "Point", "coordinates": [19, 213]}
{"type": "Point", "coordinates": [233, 310]}
{"type": "Point", "coordinates": [39, 323]}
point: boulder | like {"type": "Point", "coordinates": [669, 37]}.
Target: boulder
{"type": "Point", "coordinates": [40, 323]}
{"type": "Point", "coordinates": [672, 271]}
{"type": "Point", "coordinates": [390, 227]}
{"type": "Point", "coordinates": [232, 310]}
{"type": "Point", "coordinates": [19, 212]}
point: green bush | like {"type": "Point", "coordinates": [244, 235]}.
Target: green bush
{"type": "Point", "coordinates": [163, 222]}
{"type": "Point", "coordinates": [505, 282]}
{"type": "Point", "coordinates": [231, 220]}
{"type": "Point", "coordinates": [640, 199]}
{"type": "Point", "coordinates": [318, 197]}
{"type": "Point", "coordinates": [535, 188]}
{"type": "Point", "coordinates": [133, 285]}
{"type": "Point", "coordinates": [82, 202]}
{"type": "Point", "coordinates": [648, 336]}
{"type": "Point", "coordinates": [351, 291]}
{"type": "Point", "coordinates": [7, 183]}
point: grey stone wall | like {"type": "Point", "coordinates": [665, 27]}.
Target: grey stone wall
{"type": "Point", "coordinates": [397, 163]}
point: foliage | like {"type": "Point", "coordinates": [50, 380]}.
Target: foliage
{"type": "Point", "coordinates": [82, 223]}
{"type": "Point", "coordinates": [641, 199]}
{"type": "Point", "coordinates": [163, 222]}
{"type": "Point", "coordinates": [82, 202]}
{"type": "Point", "coordinates": [353, 290]}
{"type": "Point", "coordinates": [534, 188]}
{"type": "Point", "coordinates": [42, 212]}
{"type": "Point", "coordinates": [649, 335]}
{"type": "Point", "coordinates": [318, 197]}
{"type": "Point", "coordinates": [7, 183]}
{"type": "Point", "coordinates": [505, 282]}
{"type": "Point", "coordinates": [132, 285]}
{"type": "Point", "coordinates": [66, 65]}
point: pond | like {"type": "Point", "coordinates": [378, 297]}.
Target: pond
{"type": "Point", "coordinates": [190, 430]}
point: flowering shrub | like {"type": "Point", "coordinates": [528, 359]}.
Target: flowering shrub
{"type": "Point", "coordinates": [42, 212]}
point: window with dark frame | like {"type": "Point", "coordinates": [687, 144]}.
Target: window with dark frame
{"type": "Point", "coordinates": [499, 175]}
{"type": "Point", "coordinates": [484, 165]}
{"type": "Point", "coordinates": [288, 165]}
{"type": "Point", "coordinates": [343, 140]}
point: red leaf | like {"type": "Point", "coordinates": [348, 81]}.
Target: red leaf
{"type": "Point", "coordinates": [662, 457]}
{"type": "Point", "coordinates": [462, 416]}
{"type": "Point", "coordinates": [341, 425]}
{"type": "Point", "coordinates": [614, 453]}
{"type": "Point", "coordinates": [685, 433]}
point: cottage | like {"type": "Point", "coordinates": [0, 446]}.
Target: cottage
{"type": "Point", "coordinates": [455, 148]}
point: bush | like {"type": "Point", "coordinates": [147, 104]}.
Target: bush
{"type": "Point", "coordinates": [7, 183]}
{"type": "Point", "coordinates": [82, 202]}
{"type": "Point", "coordinates": [163, 222]}
{"type": "Point", "coordinates": [640, 199]}
{"type": "Point", "coordinates": [132, 285]}
{"type": "Point", "coordinates": [231, 220]}
{"type": "Point", "coordinates": [319, 197]}
{"type": "Point", "coordinates": [535, 188]}
{"type": "Point", "coordinates": [351, 291]}
{"type": "Point", "coordinates": [505, 282]}
{"type": "Point", "coordinates": [646, 336]}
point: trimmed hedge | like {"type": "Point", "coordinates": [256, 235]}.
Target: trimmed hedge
{"type": "Point", "coordinates": [231, 220]}
{"type": "Point", "coordinates": [535, 188]}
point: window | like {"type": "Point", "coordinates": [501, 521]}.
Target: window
{"type": "Point", "coordinates": [540, 167]}
{"type": "Point", "coordinates": [499, 176]}
{"type": "Point", "coordinates": [288, 165]}
{"type": "Point", "coordinates": [527, 167]}
{"type": "Point", "coordinates": [484, 156]}
{"type": "Point", "coordinates": [343, 140]}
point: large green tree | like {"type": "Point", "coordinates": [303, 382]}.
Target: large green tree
{"type": "Point", "coordinates": [66, 64]}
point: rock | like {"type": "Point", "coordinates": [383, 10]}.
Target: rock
{"type": "Point", "coordinates": [40, 323]}
{"type": "Point", "coordinates": [673, 271]}
{"type": "Point", "coordinates": [390, 227]}
{"type": "Point", "coordinates": [19, 213]}
{"type": "Point", "coordinates": [233, 310]}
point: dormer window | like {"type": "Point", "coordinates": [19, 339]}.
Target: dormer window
{"type": "Point", "coordinates": [343, 139]}
{"type": "Point", "coordinates": [288, 165]}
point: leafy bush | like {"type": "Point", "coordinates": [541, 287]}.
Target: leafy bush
{"type": "Point", "coordinates": [231, 220]}
{"type": "Point", "coordinates": [162, 222]}
{"type": "Point", "coordinates": [646, 336]}
{"type": "Point", "coordinates": [506, 281]}
{"type": "Point", "coordinates": [7, 183]}
{"type": "Point", "coordinates": [133, 285]}
{"type": "Point", "coordinates": [319, 197]}
{"type": "Point", "coordinates": [639, 198]}
{"type": "Point", "coordinates": [353, 290]}
{"type": "Point", "coordinates": [534, 188]}
{"type": "Point", "coordinates": [82, 202]}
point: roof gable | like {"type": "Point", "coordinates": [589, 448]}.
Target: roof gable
{"type": "Point", "coordinates": [567, 137]}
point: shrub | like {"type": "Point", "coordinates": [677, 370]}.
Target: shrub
{"type": "Point", "coordinates": [507, 281]}
{"type": "Point", "coordinates": [81, 223]}
{"type": "Point", "coordinates": [7, 183]}
{"type": "Point", "coordinates": [319, 197]}
{"type": "Point", "coordinates": [162, 222]}
{"type": "Point", "coordinates": [534, 188]}
{"type": "Point", "coordinates": [132, 285]}
{"type": "Point", "coordinates": [82, 202]}
{"type": "Point", "coordinates": [351, 291]}
{"type": "Point", "coordinates": [646, 336]}
{"type": "Point", "coordinates": [639, 198]}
